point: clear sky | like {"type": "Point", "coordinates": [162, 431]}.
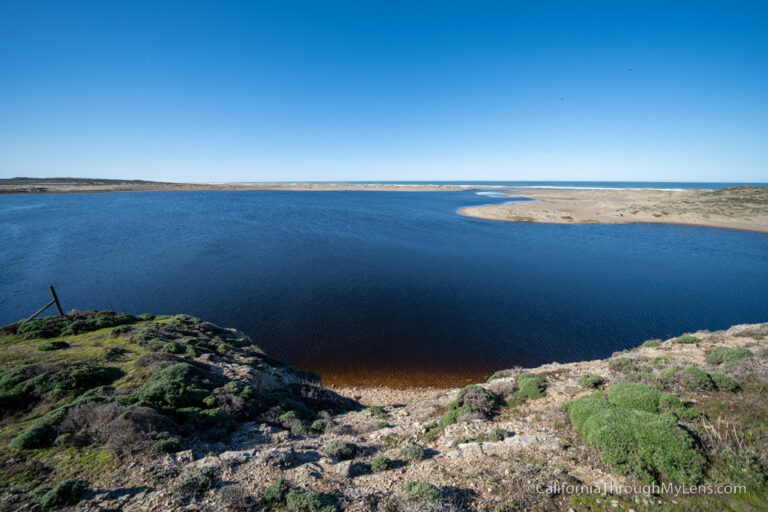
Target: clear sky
{"type": "Point", "coordinates": [363, 90]}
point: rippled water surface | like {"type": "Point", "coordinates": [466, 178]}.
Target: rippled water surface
{"type": "Point", "coordinates": [390, 287]}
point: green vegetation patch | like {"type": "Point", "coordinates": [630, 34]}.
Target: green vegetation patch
{"type": "Point", "coordinates": [686, 339]}
{"type": "Point", "coordinates": [414, 452]}
{"type": "Point", "coordinates": [530, 386]}
{"type": "Point", "coordinates": [308, 501]}
{"type": "Point", "coordinates": [341, 450]}
{"type": "Point", "coordinates": [650, 446]}
{"type": "Point", "coordinates": [591, 381]}
{"type": "Point", "coordinates": [728, 357]}
{"type": "Point", "coordinates": [474, 401]}
{"type": "Point", "coordinates": [63, 494]}
{"type": "Point", "coordinates": [650, 344]}
{"type": "Point", "coordinates": [380, 463]}
{"type": "Point", "coordinates": [53, 345]}
{"type": "Point", "coordinates": [71, 324]}
{"type": "Point", "coordinates": [633, 395]}
{"type": "Point", "coordinates": [422, 492]}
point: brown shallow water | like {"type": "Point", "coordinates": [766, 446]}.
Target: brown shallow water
{"type": "Point", "coordinates": [433, 378]}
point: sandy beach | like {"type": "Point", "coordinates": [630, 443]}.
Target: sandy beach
{"type": "Point", "coordinates": [734, 208]}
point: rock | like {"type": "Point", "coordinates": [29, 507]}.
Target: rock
{"type": "Point", "coordinates": [236, 457]}
{"type": "Point", "coordinates": [344, 468]}
{"type": "Point", "coordinates": [184, 457]}
{"type": "Point", "coordinates": [209, 462]}
{"type": "Point", "coordinates": [498, 448]}
{"type": "Point", "coordinates": [465, 448]}
{"type": "Point", "coordinates": [309, 470]}
{"type": "Point", "coordinates": [275, 457]}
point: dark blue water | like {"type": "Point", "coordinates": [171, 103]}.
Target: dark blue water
{"type": "Point", "coordinates": [380, 286]}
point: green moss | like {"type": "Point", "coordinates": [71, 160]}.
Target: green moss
{"type": "Point", "coordinates": [62, 494]}
{"type": "Point", "coordinates": [728, 357]}
{"type": "Point", "coordinates": [341, 450]}
{"type": "Point", "coordinates": [308, 501]}
{"type": "Point", "coordinates": [414, 452]}
{"type": "Point", "coordinates": [591, 381]}
{"type": "Point", "coordinates": [650, 446]}
{"type": "Point", "coordinates": [532, 387]}
{"type": "Point", "coordinates": [422, 492]}
{"type": "Point", "coordinates": [380, 463]}
{"type": "Point", "coordinates": [686, 339]}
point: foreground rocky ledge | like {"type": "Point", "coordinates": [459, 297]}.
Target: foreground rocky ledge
{"type": "Point", "coordinates": [736, 208]}
{"type": "Point", "coordinates": [517, 442]}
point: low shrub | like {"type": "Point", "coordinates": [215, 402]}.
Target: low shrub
{"type": "Point", "coordinates": [36, 435]}
{"type": "Point", "coordinates": [382, 424]}
{"type": "Point", "coordinates": [376, 412]}
{"type": "Point", "coordinates": [686, 339]}
{"type": "Point", "coordinates": [422, 492]}
{"type": "Point", "coordinates": [319, 425]}
{"type": "Point", "coordinates": [170, 445]}
{"type": "Point", "coordinates": [36, 381]}
{"type": "Point", "coordinates": [591, 381]}
{"type": "Point", "coordinates": [63, 494]}
{"type": "Point", "coordinates": [694, 378]}
{"type": "Point", "coordinates": [194, 481]}
{"type": "Point", "coordinates": [299, 429]}
{"type": "Point", "coordinates": [341, 450]}
{"type": "Point", "coordinates": [236, 499]}
{"type": "Point", "coordinates": [623, 365]}
{"type": "Point", "coordinates": [414, 452]}
{"type": "Point", "coordinates": [650, 343]}
{"type": "Point", "coordinates": [53, 345]}
{"type": "Point", "coordinates": [10, 402]}
{"type": "Point", "coordinates": [497, 434]}
{"type": "Point", "coordinates": [728, 357]}
{"type": "Point", "coordinates": [174, 347]}
{"type": "Point", "coordinates": [380, 463]}
{"type": "Point", "coordinates": [530, 386]}
{"type": "Point", "coordinates": [650, 446]}
{"type": "Point", "coordinates": [472, 402]}
{"type": "Point", "coordinates": [633, 395]}
{"type": "Point", "coordinates": [724, 382]}
{"type": "Point", "coordinates": [308, 501]}
{"type": "Point", "coordinates": [276, 492]}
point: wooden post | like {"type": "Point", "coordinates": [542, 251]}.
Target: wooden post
{"type": "Point", "coordinates": [55, 299]}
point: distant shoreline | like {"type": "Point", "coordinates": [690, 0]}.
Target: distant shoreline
{"type": "Point", "coordinates": [744, 208]}
{"type": "Point", "coordinates": [80, 186]}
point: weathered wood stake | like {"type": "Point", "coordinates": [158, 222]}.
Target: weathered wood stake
{"type": "Point", "coordinates": [55, 299]}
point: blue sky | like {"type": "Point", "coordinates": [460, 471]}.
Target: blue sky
{"type": "Point", "coordinates": [307, 91]}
